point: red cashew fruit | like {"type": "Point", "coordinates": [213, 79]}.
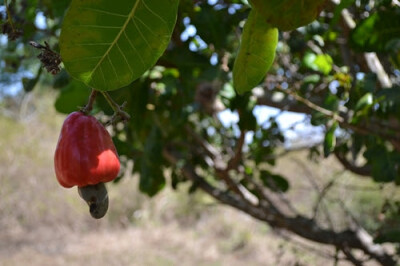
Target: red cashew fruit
{"type": "Point", "coordinates": [86, 157]}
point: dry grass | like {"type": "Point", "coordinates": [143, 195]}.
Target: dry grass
{"type": "Point", "coordinates": [44, 224]}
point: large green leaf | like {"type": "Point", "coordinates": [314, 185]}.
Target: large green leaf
{"type": "Point", "coordinates": [256, 53]}
{"type": "Point", "coordinates": [108, 44]}
{"type": "Point", "coordinates": [375, 33]}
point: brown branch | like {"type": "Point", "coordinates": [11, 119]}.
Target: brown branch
{"type": "Point", "coordinates": [314, 106]}
{"type": "Point", "coordinates": [210, 150]}
{"type": "Point", "coordinates": [359, 170]}
{"type": "Point", "coordinates": [350, 257]}
{"type": "Point", "coordinates": [300, 225]}
{"type": "Point", "coordinates": [219, 165]}
{"type": "Point", "coordinates": [89, 106]}
{"type": "Point", "coordinates": [235, 160]}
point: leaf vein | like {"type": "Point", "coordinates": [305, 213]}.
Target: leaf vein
{"type": "Point", "coordinates": [113, 68]}
{"type": "Point", "coordinates": [134, 48]}
{"type": "Point", "coordinates": [134, 8]}
{"type": "Point", "coordinates": [99, 26]}
{"type": "Point", "coordinates": [84, 58]}
{"type": "Point", "coordinates": [92, 44]}
{"type": "Point", "coordinates": [141, 33]}
{"type": "Point", "coordinates": [154, 13]}
{"type": "Point", "coordinates": [102, 74]}
{"type": "Point", "coordinates": [126, 60]}
{"type": "Point", "coordinates": [104, 12]}
{"type": "Point", "coordinates": [147, 27]}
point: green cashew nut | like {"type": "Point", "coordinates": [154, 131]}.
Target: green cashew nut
{"type": "Point", "coordinates": [96, 197]}
{"type": "Point", "coordinates": [256, 53]}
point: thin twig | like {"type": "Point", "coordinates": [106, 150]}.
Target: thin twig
{"type": "Point", "coordinates": [117, 108]}
{"type": "Point", "coordinates": [313, 106]}
{"type": "Point", "coordinates": [321, 195]}
{"type": "Point", "coordinates": [9, 17]}
{"type": "Point", "coordinates": [343, 123]}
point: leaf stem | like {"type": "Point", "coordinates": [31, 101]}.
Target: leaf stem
{"type": "Point", "coordinates": [89, 106]}
{"type": "Point", "coordinates": [117, 108]}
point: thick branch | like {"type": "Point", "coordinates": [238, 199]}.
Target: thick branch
{"type": "Point", "coordinates": [300, 225]}
{"type": "Point", "coordinates": [359, 170]}
{"type": "Point", "coordinates": [235, 160]}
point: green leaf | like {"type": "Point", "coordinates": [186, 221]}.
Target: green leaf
{"type": "Point", "coordinates": [375, 33]}
{"type": "Point", "coordinates": [274, 182]}
{"type": "Point", "coordinates": [61, 80]}
{"type": "Point", "coordinates": [331, 102]}
{"type": "Point", "coordinates": [152, 178]}
{"type": "Point", "coordinates": [338, 11]}
{"type": "Point", "coordinates": [330, 140]}
{"type": "Point", "coordinates": [256, 53]}
{"type": "Point", "coordinates": [365, 102]}
{"type": "Point", "coordinates": [313, 79]}
{"type": "Point", "coordinates": [72, 97]}
{"type": "Point", "coordinates": [322, 62]}
{"type": "Point", "coordinates": [108, 44]}
{"type": "Point", "coordinates": [289, 14]}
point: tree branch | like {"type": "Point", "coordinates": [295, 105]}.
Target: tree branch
{"type": "Point", "coordinates": [219, 165]}
{"type": "Point", "coordinates": [235, 160]}
{"type": "Point", "coordinates": [359, 170]}
{"type": "Point", "coordinates": [300, 225]}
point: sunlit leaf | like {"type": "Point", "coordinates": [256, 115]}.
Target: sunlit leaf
{"type": "Point", "coordinates": [322, 62]}
{"type": "Point", "coordinates": [330, 140]}
{"type": "Point", "coordinates": [256, 53]}
{"type": "Point", "coordinates": [364, 102]}
{"type": "Point", "coordinates": [108, 44]}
